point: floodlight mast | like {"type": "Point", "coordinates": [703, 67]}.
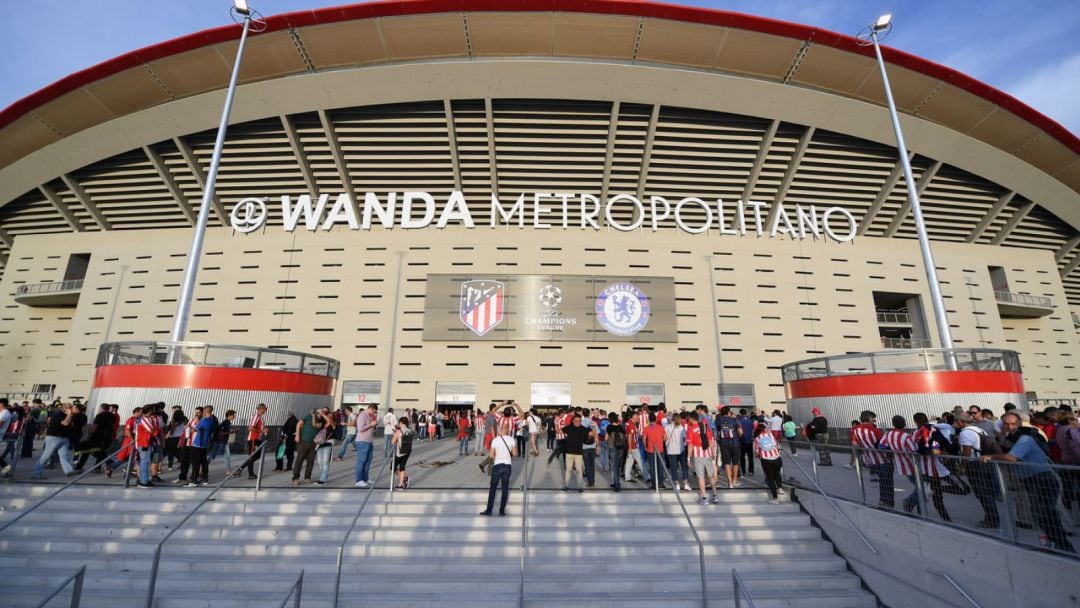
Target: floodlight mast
{"type": "Point", "coordinates": [191, 267]}
{"type": "Point", "coordinates": [883, 26]}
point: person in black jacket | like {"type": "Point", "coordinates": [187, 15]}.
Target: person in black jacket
{"type": "Point", "coordinates": [818, 431]}
{"type": "Point", "coordinates": [288, 437]}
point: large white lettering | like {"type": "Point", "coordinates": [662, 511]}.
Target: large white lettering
{"type": "Point", "coordinates": [414, 210]}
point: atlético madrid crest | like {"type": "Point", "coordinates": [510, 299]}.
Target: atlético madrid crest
{"type": "Point", "coordinates": [482, 304]}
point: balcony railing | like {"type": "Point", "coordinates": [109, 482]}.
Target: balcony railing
{"type": "Point", "coordinates": [894, 318]}
{"type": "Point", "coordinates": [905, 343]}
{"type": "Point", "coordinates": [215, 355]}
{"type": "Point", "coordinates": [56, 293]}
{"type": "Point", "coordinates": [904, 361]}
{"type": "Point", "coordinates": [1023, 299]}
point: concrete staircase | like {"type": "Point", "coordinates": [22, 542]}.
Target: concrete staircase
{"type": "Point", "coordinates": [420, 548]}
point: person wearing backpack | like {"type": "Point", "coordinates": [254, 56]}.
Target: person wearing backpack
{"type": "Point", "coordinates": [402, 442]}
{"type": "Point", "coordinates": [974, 442]}
{"type": "Point", "coordinates": [616, 448]}
{"type": "Point", "coordinates": [728, 434]}
{"type": "Point", "coordinates": [1035, 476]}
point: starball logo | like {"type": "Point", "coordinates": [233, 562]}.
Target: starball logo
{"type": "Point", "coordinates": [417, 210]}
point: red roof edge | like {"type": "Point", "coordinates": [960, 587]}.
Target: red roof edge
{"type": "Point", "coordinates": [634, 8]}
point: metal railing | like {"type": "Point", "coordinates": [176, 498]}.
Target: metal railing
{"type": "Point", "coordinates": [1016, 502]}
{"type": "Point", "coordinates": [740, 591]}
{"type": "Point", "coordinates": [813, 480]}
{"type": "Point", "coordinates": [51, 287]}
{"type": "Point", "coordinates": [1025, 299]}
{"type": "Point", "coordinates": [56, 493]}
{"type": "Point", "coordinates": [905, 343]}
{"type": "Point", "coordinates": [215, 355]}
{"type": "Point", "coordinates": [697, 539]}
{"type": "Point", "coordinates": [956, 586]}
{"type": "Point", "coordinates": [894, 318]}
{"type": "Point", "coordinates": [76, 591]}
{"type": "Point", "coordinates": [524, 527]}
{"type": "Point", "coordinates": [900, 361]}
{"type": "Point", "coordinates": [356, 518]}
{"type": "Point", "coordinates": [295, 592]}
{"type": "Point", "coordinates": [156, 564]}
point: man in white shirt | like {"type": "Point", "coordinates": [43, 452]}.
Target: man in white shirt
{"type": "Point", "coordinates": [350, 432]}
{"type": "Point", "coordinates": [980, 475]}
{"type": "Point", "coordinates": [389, 421]}
{"type": "Point", "coordinates": [503, 449]}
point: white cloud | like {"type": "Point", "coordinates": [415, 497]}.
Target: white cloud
{"type": "Point", "coordinates": [1054, 90]}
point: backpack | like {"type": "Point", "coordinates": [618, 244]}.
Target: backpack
{"type": "Point", "coordinates": [339, 432]}
{"type": "Point", "coordinates": [1037, 436]}
{"type": "Point", "coordinates": [618, 438]}
{"type": "Point", "coordinates": [766, 442]}
{"type": "Point", "coordinates": [405, 443]}
{"type": "Point", "coordinates": [728, 430]}
{"type": "Point", "coordinates": [988, 444]}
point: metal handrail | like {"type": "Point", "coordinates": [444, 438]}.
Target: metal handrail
{"type": "Point", "coordinates": [905, 343]}
{"type": "Point", "coordinates": [142, 352]}
{"type": "Point", "coordinates": [50, 287]}
{"type": "Point", "coordinates": [879, 362]}
{"type": "Point", "coordinates": [76, 592]}
{"type": "Point", "coordinates": [740, 590]}
{"type": "Point", "coordinates": [832, 503]}
{"type": "Point", "coordinates": [894, 318]}
{"type": "Point", "coordinates": [348, 533]}
{"type": "Point", "coordinates": [62, 488]}
{"type": "Point", "coordinates": [1023, 298]}
{"type": "Point", "coordinates": [957, 586]}
{"type": "Point", "coordinates": [298, 588]}
{"type": "Point", "coordinates": [157, 552]}
{"type": "Point", "coordinates": [524, 528]}
{"type": "Point", "coordinates": [697, 539]}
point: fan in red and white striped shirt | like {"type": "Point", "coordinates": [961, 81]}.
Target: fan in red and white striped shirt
{"type": "Point", "coordinates": [900, 442]}
{"type": "Point", "coordinates": [867, 436]}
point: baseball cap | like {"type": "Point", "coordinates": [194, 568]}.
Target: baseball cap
{"type": "Point", "coordinates": [816, 411]}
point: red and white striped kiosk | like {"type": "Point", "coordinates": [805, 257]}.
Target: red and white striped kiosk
{"type": "Point", "coordinates": [191, 374]}
{"type": "Point", "coordinates": [903, 382]}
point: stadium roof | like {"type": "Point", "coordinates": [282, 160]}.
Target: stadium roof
{"type": "Point", "coordinates": [618, 30]}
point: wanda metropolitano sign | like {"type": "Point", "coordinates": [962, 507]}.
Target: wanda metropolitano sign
{"type": "Point", "coordinates": [545, 210]}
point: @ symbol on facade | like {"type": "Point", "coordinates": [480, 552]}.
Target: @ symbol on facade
{"type": "Point", "coordinates": [248, 215]}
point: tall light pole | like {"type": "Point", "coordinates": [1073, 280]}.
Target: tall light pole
{"type": "Point", "coordinates": [870, 36]}
{"type": "Point", "coordinates": [191, 269]}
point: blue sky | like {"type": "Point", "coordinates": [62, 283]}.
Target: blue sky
{"type": "Point", "coordinates": [1028, 49]}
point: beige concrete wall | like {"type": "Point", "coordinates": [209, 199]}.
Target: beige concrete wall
{"type": "Point", "coordinates": [332, 293]}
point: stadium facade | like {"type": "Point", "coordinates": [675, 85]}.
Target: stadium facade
{"type": "Point", "coordinates": [558, 202]}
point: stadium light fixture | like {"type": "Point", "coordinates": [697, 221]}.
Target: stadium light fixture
{"type": "Point", "coordinates": [871, 35]}
{"type": "Point", "coordinates": [191, 267]}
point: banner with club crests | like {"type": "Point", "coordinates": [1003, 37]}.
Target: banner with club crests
{"type": "Point", "coordinates": [549, 308]}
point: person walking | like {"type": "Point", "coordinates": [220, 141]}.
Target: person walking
{"type": "Point", "coordinates": [973, 442]}
{"type": "Point", "coordinates": [930, 444]}
{"type": "Point", "coordinates": [286, 450]}
{"type": "Point", "coordinates": [56, 441]}
{"type": "Point", "coordinates": [257, 432]}
{"type": "Point", "coordinates": [463, 434]}
{"type": "Point", "coordinates": [200, 444]}
{"type": "Point", "coordinates": [306, 431]}
{"type": "Point", "coordinates": [728, 439]}
{"type": "Point", "coordinates": [389, 422]}
{"type": "Point", "coordinates": [402, 440]}
{"type": "Point", "coordinates": [222, 438]}
{"type": "Point", "coordinates": [100, 438]}
{"type": "Point", "coordinates": [533, 424]}
{"type": "Point", "coordinates": [746, 443]}
{"type": "Point", "coordinates": [615, 440]}
{"type": "Point", "coordinates": [655, 446]}
{"type": "Point", "coordinates": [790, 433]}
{"type": "Point", "coordinates": [350, 433]}
{"type": "Point", "coordinates": [633, 454]}
{"type": "Point", "coordinates": [324, 445]}
{"type": "Point", "coordinates": [817, 430]}
{"type": "Point", "coordinates": [867, 436]}
{"type": "Point", "coordinates": [502, 452]}
{"type": "Point", "coordinates": [562, 420]}
{"type": "Point", "coordinates": [767, 450]}
{"type": "Point", "coordinates": [576, 438]}
{"type": "Point", "coordinates": [588, 450]}
{"type": "Point", "coordinates": [365, 445]}
{"type": "Point", "coordinates": [1035, 477]}
{"type": "Point", "coordinates": [675, 445]}
{"type": "Point", "coordinates": [701, 443]}
{"type": "Point", "coordinates": [173, 432]}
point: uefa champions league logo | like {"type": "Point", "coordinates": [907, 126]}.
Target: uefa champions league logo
{"type": "Point", "coordinates": [622, 309]}
{"type": "Point", "coordinates": [550, 296]}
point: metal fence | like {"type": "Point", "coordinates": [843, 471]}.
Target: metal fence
{"type": "Point", "coordinates": [893, 318]}
{"type": "Point", "coordinates": [1026, 504]}
{"type": "Point", "coordinates": [905, 343]}
{"type": "Point", "coordinates": [50, 287]}
{"type": "Point", "coordinates": [215, 355]}
{"type": "Point", "coordinates": [921, 360]}
{"type": "Point", "coordinates": [1023, 298]}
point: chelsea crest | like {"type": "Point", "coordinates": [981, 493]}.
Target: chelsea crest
{"type": "Point", "coordinates": [622, 309]}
